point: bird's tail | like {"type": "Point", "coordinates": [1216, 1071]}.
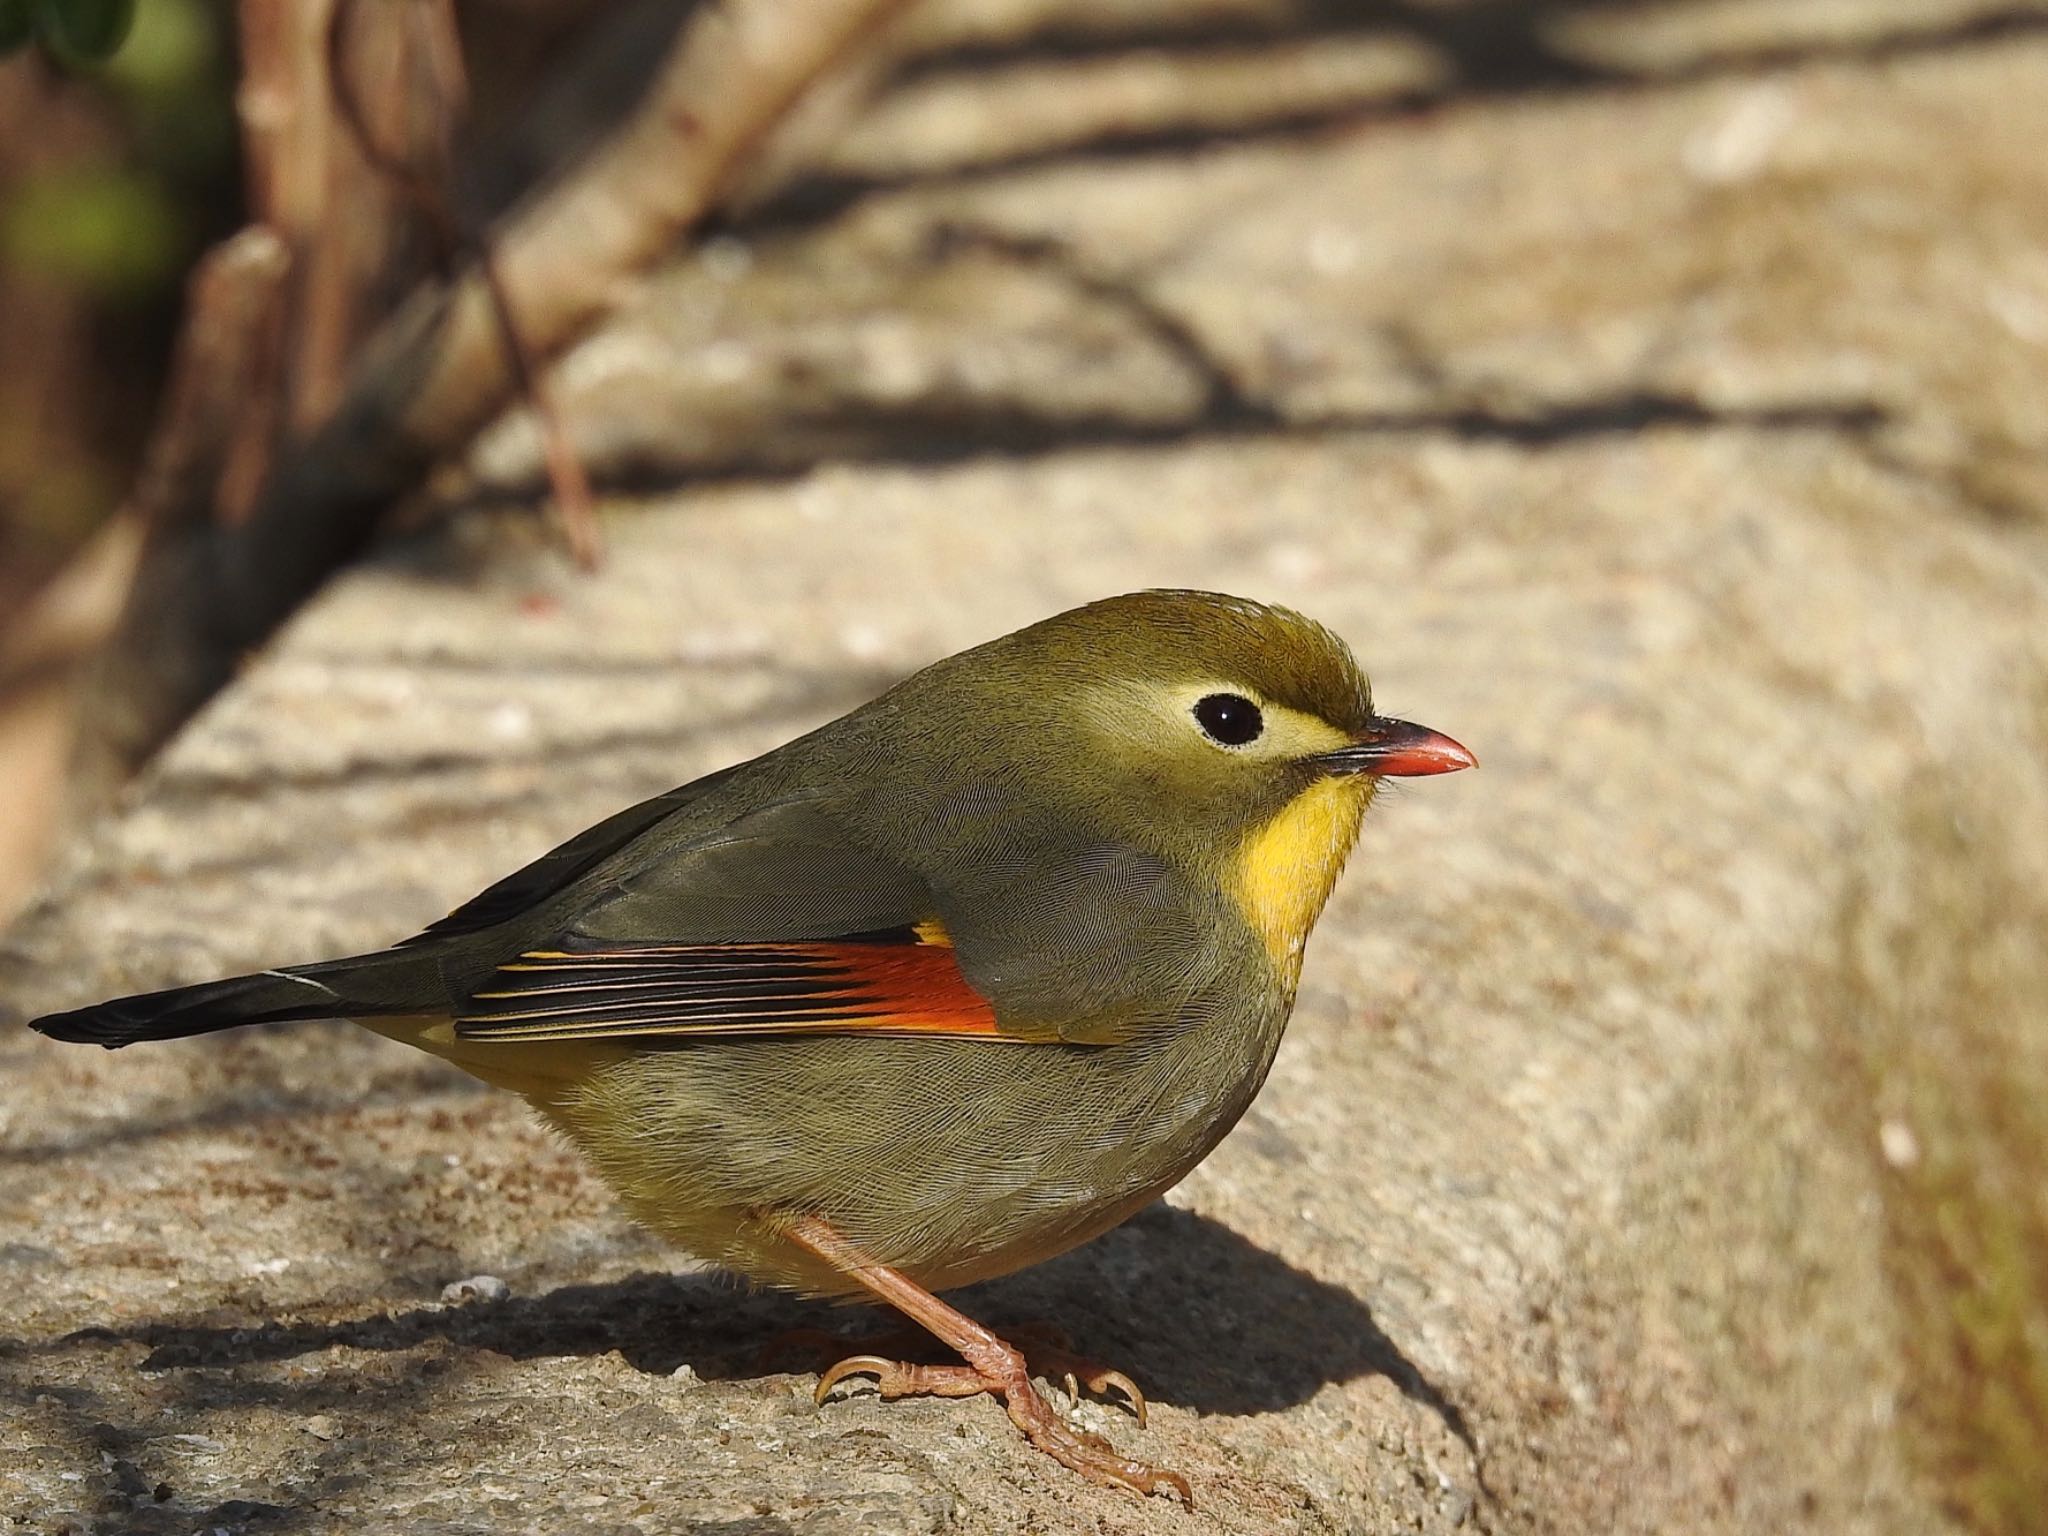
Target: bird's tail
{"type": "Point", "coordinates": [363, 986]}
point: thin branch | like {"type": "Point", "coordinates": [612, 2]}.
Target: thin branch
{"type": "Point", "coordinates": [576, 506]}
{"type": "Point", "coordinates": [728, 84]}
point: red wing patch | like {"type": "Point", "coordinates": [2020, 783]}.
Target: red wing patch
{"type": "Point", "coordinates": [903, 983]}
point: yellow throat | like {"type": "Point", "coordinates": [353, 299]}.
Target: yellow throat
{"type": "Point", "coordinates": [1286, 868]}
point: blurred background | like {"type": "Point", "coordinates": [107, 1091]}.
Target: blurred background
{"type": "Point", "coordinates": [281, 284]}
{"type": "Point", "coordinates": [362, 150]}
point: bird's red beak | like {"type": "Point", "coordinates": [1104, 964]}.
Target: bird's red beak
{"type": "Point", "coordinates": [1398, 749]}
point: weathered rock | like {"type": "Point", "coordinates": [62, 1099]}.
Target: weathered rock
{"type": "Point", "coordinates": [1574, 1200]}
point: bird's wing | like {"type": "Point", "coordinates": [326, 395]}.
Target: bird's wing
{"type": "Point", "coordinates": [772, 923]}
{"type": "Point", "coordinates": [891, 982]}
{"type": "Point", "coordinates": [777, 922]}
{"type": "Point", "coordinates": [553, 872]}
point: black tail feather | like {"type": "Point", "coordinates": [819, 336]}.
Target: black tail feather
{"type": "Point", "coordinates": [360, 987]}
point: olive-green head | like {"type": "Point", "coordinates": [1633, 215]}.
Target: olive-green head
{"type": "Point", "coordinates": [1210, 729]}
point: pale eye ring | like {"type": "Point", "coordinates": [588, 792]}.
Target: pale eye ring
{"type": "Point", "coordinates": [1229, 719]}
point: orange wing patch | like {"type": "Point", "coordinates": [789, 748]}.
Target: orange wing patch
{"type": "Point", "coordinates": [904, 982]}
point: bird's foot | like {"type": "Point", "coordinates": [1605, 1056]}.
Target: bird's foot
{"type": "Point", "coordinates": [1046, 1346]}
{"type": "Point", "coordinates": [991, 1366]}
{"type": "Point", "coordinates": [1010, 1379]}
{"type": "Point", "coordinates": [905, 1378]}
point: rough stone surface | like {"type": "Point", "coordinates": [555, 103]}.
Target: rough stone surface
{"type": "Point", "coordinates": [1674, 439]}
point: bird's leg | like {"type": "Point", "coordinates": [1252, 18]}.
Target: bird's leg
{"type": "Point", "coordinates": [992, 1366]}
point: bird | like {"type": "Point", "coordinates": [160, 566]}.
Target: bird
{"type": "Point", "coordinates": [930, 994]}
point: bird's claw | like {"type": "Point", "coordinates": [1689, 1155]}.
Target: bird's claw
{"type": "Point", "coordinates": [1046, 1346]}
{"type": "Point", "coordinates": [1088, 1454]}
{"type": "Point", "coordinates": [1101, 1382]}
{"type": "Point", "coordinates": [854, 1365]}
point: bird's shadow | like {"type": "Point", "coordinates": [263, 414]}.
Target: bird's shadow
{"type": "Point", "coordinates": [1201, 1317]}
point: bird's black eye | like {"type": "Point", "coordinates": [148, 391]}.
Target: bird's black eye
{"type": "Point", "coordinates": [1229, 719]}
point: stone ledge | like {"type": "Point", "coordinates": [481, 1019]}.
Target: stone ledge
{"type": "Point", "coordinates": [1421, 1281]}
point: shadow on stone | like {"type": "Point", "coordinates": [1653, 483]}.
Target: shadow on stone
{"type": "Point", "coordinates": [1201, 1317]}
{"type": "Point", "coordinates": [1493, 50]}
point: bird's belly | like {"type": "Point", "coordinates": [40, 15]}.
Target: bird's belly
{"type": "Point", "coordinates": [954, 1161]}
